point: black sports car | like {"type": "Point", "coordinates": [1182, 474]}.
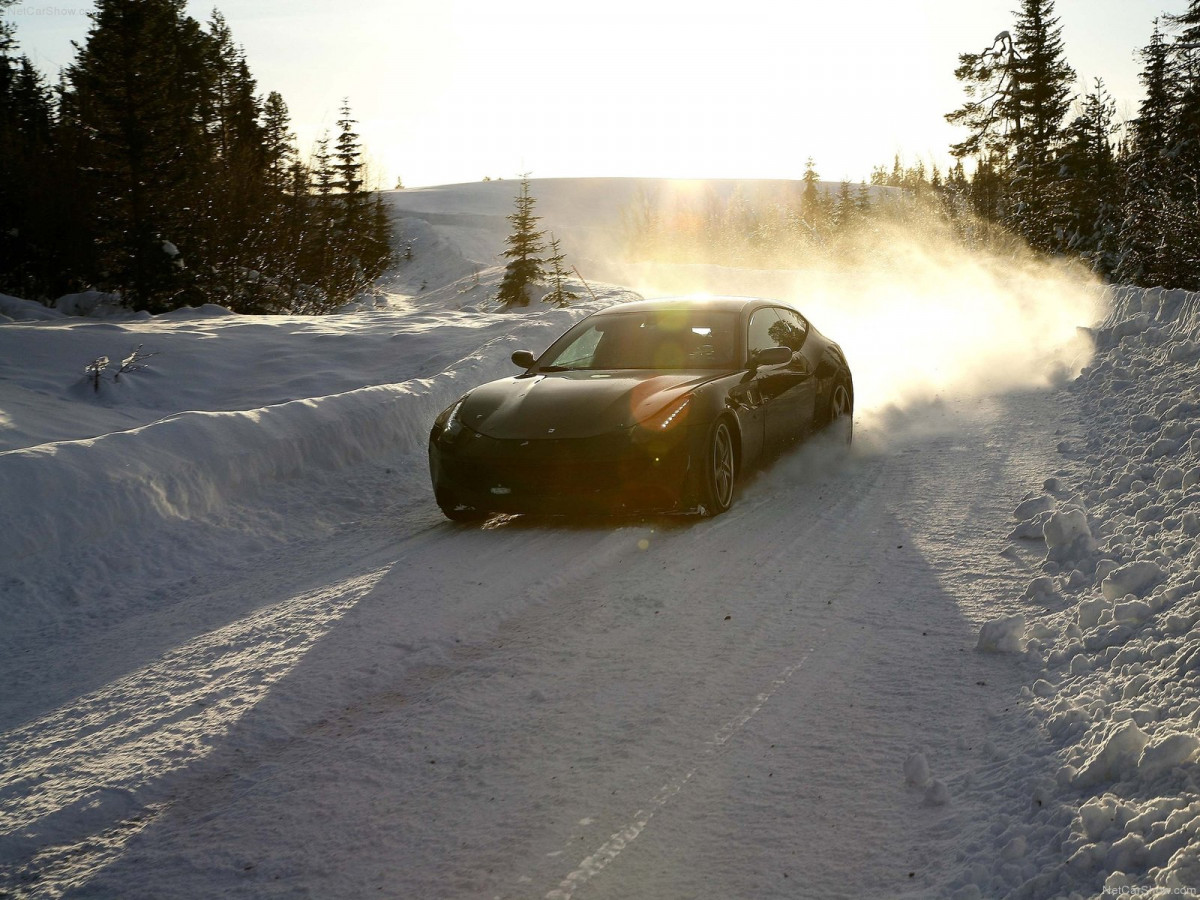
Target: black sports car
{"type": "Point", "coordinates": [654, 405]}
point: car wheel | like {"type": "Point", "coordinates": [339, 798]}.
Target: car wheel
{"type": "Point", "coordinates": [720, 470]}
{"type": "Point", "coordinates": [841, 414]}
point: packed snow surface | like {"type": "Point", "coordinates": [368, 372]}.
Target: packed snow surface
{"type": "Point", "coordinates": [242, 653]}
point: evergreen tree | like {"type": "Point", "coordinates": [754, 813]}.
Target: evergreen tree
{"type": "Point", "coordinates": [1161, 229]}
{"type": "Point", "coordinates": [862, 201]}
{"type": "Point", "coordinates": [348, 174]}
{"type": "Point", "coordinates": [235, 122]}
{"type": "Point", "coordinates": [1041, 94]}
{"type": "Point", "coordinates": [845, 210]}
{"type": "Point", "coordinates": [1090, 182]}
{"type": "Point", "coordinates": [324, 178]}
{"type": "Point", "coordinates": [139, 89]}
{"type": "Point", "coordinates": [234, 237]}
{"type": "Point", "coordinates": [161, 175]}
{"type": "Point", "coordinates": [34, 248]}
{"type": "Point", "coordinates": [1018, 93]}
{"type": "Point", "coordinates": [348, 156]}
{"type": "Point", "coordinates": [988, 78]}
{"type": "Point", "coordinates": [558, 293]}
{"type": "Point", "coordinates": [1185, 132]}
{"type": "Point", "coordinates": [278, 142]}
{"type": "Point", "coordinates": [376, 251]}
{"type": "Point", "coordinates": [525, 267]}
{"type": "Point", "coordinates": [1152, 127]}
{"type": "Point", "coordinates": [1181, 223]}
{"type": "Point", "coordinates": [1038, 103]}
{"type": "Point", "coordinates": [316, 199]}
{"type": "Point", "coordinates": [988, 194]}
{"type": "Point", "coordinates": [812, 202]}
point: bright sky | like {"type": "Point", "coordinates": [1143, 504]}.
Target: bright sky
{"type": "Point", "coordinates": [450, 91]}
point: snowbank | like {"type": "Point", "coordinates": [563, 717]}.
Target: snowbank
{"type": "Point", "coordinates": [13, 309]}
{"type": "Point", "coordinates": [124, 493]}
{"type": "Point", "coordinates": [1116, 678]}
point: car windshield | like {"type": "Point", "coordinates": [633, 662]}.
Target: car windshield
{"type": "Point", "coordinates": [666, 339]}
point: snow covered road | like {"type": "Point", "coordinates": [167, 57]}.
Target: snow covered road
{"type": "Point", "coordinates": [664, 708]}
{"type": "Point", "coordinates": [242, 654]}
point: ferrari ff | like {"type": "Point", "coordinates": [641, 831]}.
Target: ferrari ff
{"type": "Point", "coordinates": [647, 406]}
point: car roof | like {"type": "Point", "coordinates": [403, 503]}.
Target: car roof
{"type": "Point", "coordinates": [730, 304]}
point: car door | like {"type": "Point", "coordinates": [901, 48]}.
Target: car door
{"type": "Point", "coordinates": [788, 390]}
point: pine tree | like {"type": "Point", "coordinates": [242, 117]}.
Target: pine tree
{"type": "Point", "coordinates": [1145, 186]}
{"type": "Point", "coordinates": [1181, 221]}
{"type": "Point", "coordinates": [845, 211]}
{"type": "Point", "coordinates": [1090, 182]}
{"type": "Point", "coordinates": [525, 267]}
{"type": "Point", "coordinates": [558, 293]}
{"type": "Point", "coordinates": [348, 155]}
{"type": "Point", "coordinates": [235, 122]}
{"type": "Point", "coordinates": [161, 175]}
{"type": "Point", "coordinates": [988, 78]}
{"type": "Point", "coordinates": [989, 189]}
{"type": "Point", "coordinates": [376, 252]}
{"type": "Point", "coordinates": [1185, 69]}
{"type": "Point", "coordinates": [1161, 230]}
{"type": "Point", "coordinates": [31, 178]}
{"type": "Point", "coordinates": [862, 202]}
{"type": "Point", "coordinates": [237, 244]}
{"type": "Point", "coordinates": [351, 198]}
{"type": "Point", "coordinates": [278, 141]}
{"type": "Point", "coordinates": [139, 88]}
{"type": "Point", "coordinates": [1152, 127]}
{"type": "Point", "coordinates": [323, 175]}
{"type": "Point", "coordinates": [1041, 94]}
{"type": "Point", "coordinates": [1039, 102]}
{"type": "Point", "coordinates": [812, 202]}
{"type": "Point", "coordinates": [1018, 93]}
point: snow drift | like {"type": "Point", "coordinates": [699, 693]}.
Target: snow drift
{"type": "Point", "coordinates": [1109, 627]}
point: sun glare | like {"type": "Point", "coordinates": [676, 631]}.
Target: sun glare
{"type": "Point", "coordinates": [460, 90]}
{"type": "Point", "coordinates": [637, 89]}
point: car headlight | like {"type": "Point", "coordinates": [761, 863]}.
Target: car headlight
{"type": "Point", "coordinates": [667, 420]}
{"type": "Point", "coordinates": [448, 424]}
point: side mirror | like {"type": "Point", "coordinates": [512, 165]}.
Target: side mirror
{"type": "Point", "coordinates": [799, 362]}
{"type": "Point", "coordinates": [523, 358]}
{"type": "Point", "coordinates": [772, 356]}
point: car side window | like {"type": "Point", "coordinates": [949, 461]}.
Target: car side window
{"type": "Point", "coordinates": [791, 331]}
{"type": "Point", "coordinates": [763, 330]}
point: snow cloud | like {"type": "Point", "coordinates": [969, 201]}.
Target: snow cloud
{"type": "Point", "coordinates": [920, 316]}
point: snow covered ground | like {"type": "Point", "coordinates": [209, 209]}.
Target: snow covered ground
{"type": "Point", "coordinates": [241, 652]}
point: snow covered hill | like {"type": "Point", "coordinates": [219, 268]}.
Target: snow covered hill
{"type": "Point", "coordinates": [242, 654]}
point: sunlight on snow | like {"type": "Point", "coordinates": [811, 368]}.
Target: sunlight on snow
{"type": "Point", "coordinates": [99, 752]}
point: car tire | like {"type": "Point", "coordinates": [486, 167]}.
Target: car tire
{"type": "Point", "coordinates": [841, 414]}
{"type": "Point", "coordinates": [720, 470]}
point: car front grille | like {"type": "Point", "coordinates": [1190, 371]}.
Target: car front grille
{"type": "Point", "coordinates": [607, 472]}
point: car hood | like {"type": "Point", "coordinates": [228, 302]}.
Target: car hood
{"type": "Point", "coordinates": [576, 404]}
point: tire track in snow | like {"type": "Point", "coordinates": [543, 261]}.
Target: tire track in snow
{"type": "Point", "coordinates": [761, 499]}
{"type": "Point", "coordinates": [596, 862]}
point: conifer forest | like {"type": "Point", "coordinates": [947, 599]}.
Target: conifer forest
{"type": "Point", "coordinates": [155, 169]}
